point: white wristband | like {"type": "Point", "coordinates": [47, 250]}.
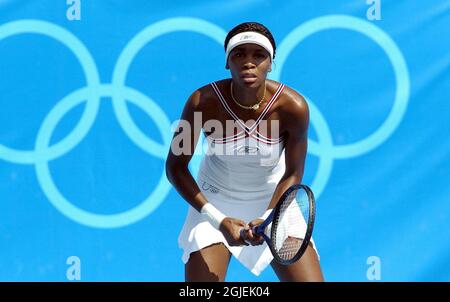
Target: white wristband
{"type": "Point", "coordinates": [266, 214]}
{"type": "Point", "coordinates": [212, 215]}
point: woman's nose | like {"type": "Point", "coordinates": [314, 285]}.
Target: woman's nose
{"type": "Point", "coordinates": [248, 65]}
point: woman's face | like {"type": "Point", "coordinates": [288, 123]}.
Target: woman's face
{"type": "Point", "coordinates": [249, 65]}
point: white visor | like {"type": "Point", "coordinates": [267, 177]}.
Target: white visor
{"type": "Point", "coordinates": [249, 37]}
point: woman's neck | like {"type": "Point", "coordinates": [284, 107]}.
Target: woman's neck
{"type": "Point", "coordinates": [248, 96]}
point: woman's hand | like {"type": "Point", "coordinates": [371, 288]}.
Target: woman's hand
{"type": "Point", "coordinates": [231, 230]}
{"type": "Point", "coordinates": [248, 235]}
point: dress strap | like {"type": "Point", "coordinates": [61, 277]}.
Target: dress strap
{"type": "Point", "coordinates": [250, 129]}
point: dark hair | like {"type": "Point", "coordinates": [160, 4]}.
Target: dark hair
{"type": "Point", "coordinates": [250, 26]}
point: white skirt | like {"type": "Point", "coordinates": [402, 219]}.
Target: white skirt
{"type": "Point", "coordinates": [197, 233]}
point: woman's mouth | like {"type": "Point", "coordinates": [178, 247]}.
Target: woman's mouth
{"type": "Point", "coordinates": [249, 78]}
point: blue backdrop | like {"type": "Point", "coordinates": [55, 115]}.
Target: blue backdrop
{"type": "Point", "coordinates": [87, 106]}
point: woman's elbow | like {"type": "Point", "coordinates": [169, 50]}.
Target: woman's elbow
{"type": "Point", "coordinates": [173, 168]}
{"type": "Point", "coordinates": [170, 168]}
{"type": "Point", "coordinates": [295, 176]}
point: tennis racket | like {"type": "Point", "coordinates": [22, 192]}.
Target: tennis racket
{"type": "Point", "coordinates": [288, 228]}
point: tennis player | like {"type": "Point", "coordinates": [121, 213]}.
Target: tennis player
{"type": "Point", "coordinates": [248, 165]}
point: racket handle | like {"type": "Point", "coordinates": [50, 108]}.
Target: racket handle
{"type": "Point", "coordinates": [241, 234]}
{"type": "Point", "coordinates": [257, 230]}
{"type": "Point", "coordinates": [262, 229]}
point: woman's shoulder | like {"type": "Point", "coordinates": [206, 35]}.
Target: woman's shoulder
{"type": "Point", "coordinates": [291, 101]}
{"type": "Point", "coordinates": [204, 95]}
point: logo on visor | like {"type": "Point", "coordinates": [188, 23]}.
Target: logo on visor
{"type": "Point", "coordinates": [246, 37]}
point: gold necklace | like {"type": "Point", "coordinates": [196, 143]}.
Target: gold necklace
{"type": "Point", "coordinates": [255, 106]}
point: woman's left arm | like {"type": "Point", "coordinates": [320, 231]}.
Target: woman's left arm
{"type": "Point", "coordinates": [295, 115]}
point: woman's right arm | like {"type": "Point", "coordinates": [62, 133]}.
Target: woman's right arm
{"type": "Point", "coordinates": [181, 151]}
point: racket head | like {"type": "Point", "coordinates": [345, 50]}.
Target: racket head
{"type": "Point", "coordinates": [292, 224]}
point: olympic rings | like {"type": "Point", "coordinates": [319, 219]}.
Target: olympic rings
{"type": "Point", "coordinates": [120, 94]}
{"type": "Point", "coordinates": [326, 150]}
{"type": "Point", "coordinates": [43, 172]}
{"type": "Point", "coordinates": [90, 71]}
{"type": "Point", "coordinates": [132, 49]}
{"type": "Point", "coordinates": [395, 56]}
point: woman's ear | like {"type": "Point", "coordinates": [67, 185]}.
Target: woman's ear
{"type": "Point", "coordinates": [273, 64]}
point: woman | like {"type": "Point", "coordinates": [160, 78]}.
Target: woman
{"type": "Point", "coordinates": [248, 166]}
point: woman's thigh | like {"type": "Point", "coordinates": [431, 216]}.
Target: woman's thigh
{"type": "Point", "coordinates": [208, 264]}
{"type": "Point", "coordinates": [306, 269]}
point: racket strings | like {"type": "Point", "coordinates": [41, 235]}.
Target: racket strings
{"type": "Point", "coordinates": [289, 226]}
{"type": "Point", "coordinates": [290, 248]}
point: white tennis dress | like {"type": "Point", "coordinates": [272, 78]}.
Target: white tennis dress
{"type": "Point", "coordinates": [238, 175]}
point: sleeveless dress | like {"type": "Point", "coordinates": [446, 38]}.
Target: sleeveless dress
{"type": "Point", "coordinates": [238, 175]}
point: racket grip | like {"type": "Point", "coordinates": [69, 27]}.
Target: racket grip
{"type": "Point", "coordinates": [257, 230]}
{"type": "Point", "coordinates": [241, 233]}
